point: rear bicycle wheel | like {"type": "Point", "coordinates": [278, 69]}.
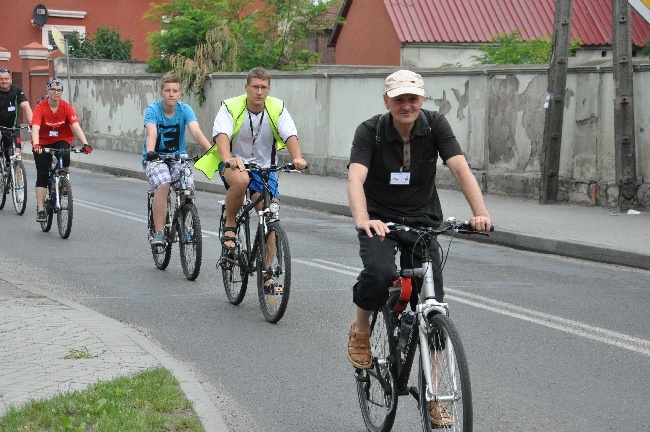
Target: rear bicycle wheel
{"type": "Point", "coordinates": [64, 213]}
{"type": "Point", "coordinates": [452, 390]}
{"type": "Point", "coordinates": [376, 386]}
{"type": "Point", "coordinates": [4, 183]}
{"type": "Point", "coordinates": [190, 240]}
{"type": "Point", "coordinates": [234, 263]}
{"type": "Point", "coordinates": [274, 273]}
{"type": "Point", "coordinates": [19, 187]}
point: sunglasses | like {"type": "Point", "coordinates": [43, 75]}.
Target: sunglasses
{"type": "Point", "coordinates": [5, 70]}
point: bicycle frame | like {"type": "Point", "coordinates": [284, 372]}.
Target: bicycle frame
{"type": "Point", "coordinates": [56, 171]}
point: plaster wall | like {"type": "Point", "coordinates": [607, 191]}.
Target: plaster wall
{"type": "Point", "coordinates": [497, 114]}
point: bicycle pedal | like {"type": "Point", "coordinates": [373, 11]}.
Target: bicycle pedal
{"type": "Point", "coordinates": [413, 391]}
{"type": "Point", "coordinates": [361, 377]}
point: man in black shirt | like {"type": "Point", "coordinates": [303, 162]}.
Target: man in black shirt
{"type": "Point", "coordinates": [11, 98]}
{"type": "Point", "coordinates": [391, 178]}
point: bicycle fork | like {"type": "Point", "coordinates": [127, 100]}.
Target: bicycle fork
{"type": "Point", "coordinates": [427, 308]}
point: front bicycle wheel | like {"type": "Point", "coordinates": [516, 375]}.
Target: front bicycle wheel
{"type": "Point", "coordinates": [64, 213]}
{"type": "Point", "coordinates": [49, 212]}
{"type": "Point", "coordinates": [190, 240]}
{"type": "Point", "coordinates": [452, 393]}
{"type": "Point", "coordinates": [4, 181]}
{"type": "Point", "coordinates": [376, 386]}
{"type": "Point", "coordinates": [274, 273]}
{"type": "Point", "coordinates": [19, 187]}
{"type": "Point", "coordinates": [234, 263]}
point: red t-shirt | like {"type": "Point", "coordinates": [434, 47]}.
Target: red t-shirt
{"type": "Point", "coordinates": [55, 126]}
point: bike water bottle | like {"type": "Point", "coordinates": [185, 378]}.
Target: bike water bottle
{"type": "Point", "coordinates": [406, 325]}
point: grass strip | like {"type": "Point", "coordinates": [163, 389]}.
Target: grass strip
{"type": "Point", "coordinates": [146, 402]}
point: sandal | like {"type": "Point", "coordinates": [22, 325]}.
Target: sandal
{"type": "Point", "coordinates": [270, 287]}
{"type": "Point", "coordinates": [225, 238]}
{"type": "Point", "coordinates": [440, 416]}
{"type": "Point", "coordinates": [359, 352]}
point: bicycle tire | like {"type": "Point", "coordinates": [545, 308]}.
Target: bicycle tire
{"type": "Point", "coordinates": [454, 388]}
{"type": "Point", "coordinates": [19, 187]}
{"type": "Point", "coordinates": [273, 302]}
{"type": "Point", "coordinates": [190, 241]}
{"type": "Point", "coordinates": [64, 212]}
{"type": "Point", "coordinates": [234, 263]}
{"type": "Point", "coordinates": [376, 387]}
{"type": "Point", "coordinates": [4, 187]}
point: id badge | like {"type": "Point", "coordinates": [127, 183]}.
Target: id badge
{"type": "Point", "coordinates": [54, 133]}
{"type": "Point", "coordinates": [11, 108]}
{"type": "Point", "coordinates": [400, 178]}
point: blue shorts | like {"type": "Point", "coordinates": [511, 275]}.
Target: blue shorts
{"type": "Point", "coordinates": [158, 173]}
{"type": "Point", "coordinates": [255, 184]}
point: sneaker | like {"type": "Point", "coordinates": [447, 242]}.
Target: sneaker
{"type": "Point", "coordinates": [41, 216]}
{"type": "Point", "coordinates": [158, 240]}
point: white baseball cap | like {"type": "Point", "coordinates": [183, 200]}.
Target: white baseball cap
{"type": "Point", "coordinates": [404, 82]}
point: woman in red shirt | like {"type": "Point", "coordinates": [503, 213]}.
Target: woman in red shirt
{"type": "Point", "coordinates": [53, 123]}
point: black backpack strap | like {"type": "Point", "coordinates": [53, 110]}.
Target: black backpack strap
{"type": "Point", "coordinates": [378, 127]}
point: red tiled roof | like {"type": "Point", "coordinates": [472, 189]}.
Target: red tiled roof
{"type": "Point", "coordinates": [479, 20]}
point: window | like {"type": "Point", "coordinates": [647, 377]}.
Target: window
{"type": "Point", "coordinates": [65, 29]}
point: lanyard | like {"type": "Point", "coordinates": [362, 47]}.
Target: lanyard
{"type": "Point", "coordinates": [259, 129]}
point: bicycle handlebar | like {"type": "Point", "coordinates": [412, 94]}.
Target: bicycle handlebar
{"type": "Point", "coordinates": [15, 128]}
{"type": "Point", "coordinates": [61, 151]}
{"type": "Point", "coordinates": [253, 167]}
{"type": "Point", "coordinates": [449, 224]}
{"type": "Point", "coordinates": [184, 157]}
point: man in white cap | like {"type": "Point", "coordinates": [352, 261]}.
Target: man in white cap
{"type": "Point", "coordinates": [391, 178]}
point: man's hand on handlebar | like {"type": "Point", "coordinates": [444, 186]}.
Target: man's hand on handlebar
{"type": "Point", "coordinates": [235, 163]}
{"type": "Point", "coordinates": [374, 227]}
{"type": "Point", "coordinates": [299, 164]}
{"type": "Point", "coordinates": [481, 223]}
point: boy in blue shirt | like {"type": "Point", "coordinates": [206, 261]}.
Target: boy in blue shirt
{"type": "Point", "coordinates": [165, 122]}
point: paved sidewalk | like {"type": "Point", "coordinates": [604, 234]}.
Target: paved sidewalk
{"type": "Point", "coordinates": [38, 329]}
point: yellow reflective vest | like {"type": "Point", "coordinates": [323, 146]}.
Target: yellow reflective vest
{"type": "Point", "coordinates": [209, 162]}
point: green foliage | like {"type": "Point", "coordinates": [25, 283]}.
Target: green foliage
{"type": "Point", "coordinates": [204, 36]}
{"type": "Point", "coordinates": [511, 48]}
{"type": "Point", "coordinates": [646, 48]}
{"type": "Point", "coordinates": [105, 44]}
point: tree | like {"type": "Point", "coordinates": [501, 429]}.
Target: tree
{"type": "Point", "coordinates": [105, 44]}
{"type": "Point", "coordinates": [199, 37]}
{"type": "Point", "coordinates": [511, 48]}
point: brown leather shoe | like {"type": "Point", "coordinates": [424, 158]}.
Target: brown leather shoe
{"type": "Point", "coordinates": [359, 352]}
{"type": "Point", "coordinates": [440, 416]}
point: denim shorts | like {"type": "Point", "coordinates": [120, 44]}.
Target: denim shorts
{"type": "Point", "coordinates": [255, 184]}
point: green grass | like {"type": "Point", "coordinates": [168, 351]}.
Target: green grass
{"type": "Point", "coordinates": [82, 353]}
{"type": "Point", "coordinates": [150, 401]}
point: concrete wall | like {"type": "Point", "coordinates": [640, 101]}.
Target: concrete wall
{"type": "Point", "coordinates": [496, 113]}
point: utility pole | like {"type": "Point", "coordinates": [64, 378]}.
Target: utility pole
{"type": "Point", "coordinates": [555, 101]}
{"type": "Point", "coordinates": [624, 142]}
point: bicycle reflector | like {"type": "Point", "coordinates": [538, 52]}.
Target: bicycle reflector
{"type": "Point", "coordinates": [399, 294]}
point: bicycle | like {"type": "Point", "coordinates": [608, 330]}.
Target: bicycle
{"type": "Point", "coordinates": [273, 274]}
{"type": "Point", "coordinates": [182, 223]}
{"type": "Point", "coordinates": [58, 198]}
{"type": "Point", "coordinates": [12, 176]}
{"type": "Point", "coordinates": [443, 375]}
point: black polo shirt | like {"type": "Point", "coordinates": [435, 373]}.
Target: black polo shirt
{"type": "Point", "coordinates": [418, 201]}
{"type": "Point", "coordinates": [9, 103]}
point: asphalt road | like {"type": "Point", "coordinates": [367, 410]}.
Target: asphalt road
{"type": "Point", "coordinates": [553, 343]}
